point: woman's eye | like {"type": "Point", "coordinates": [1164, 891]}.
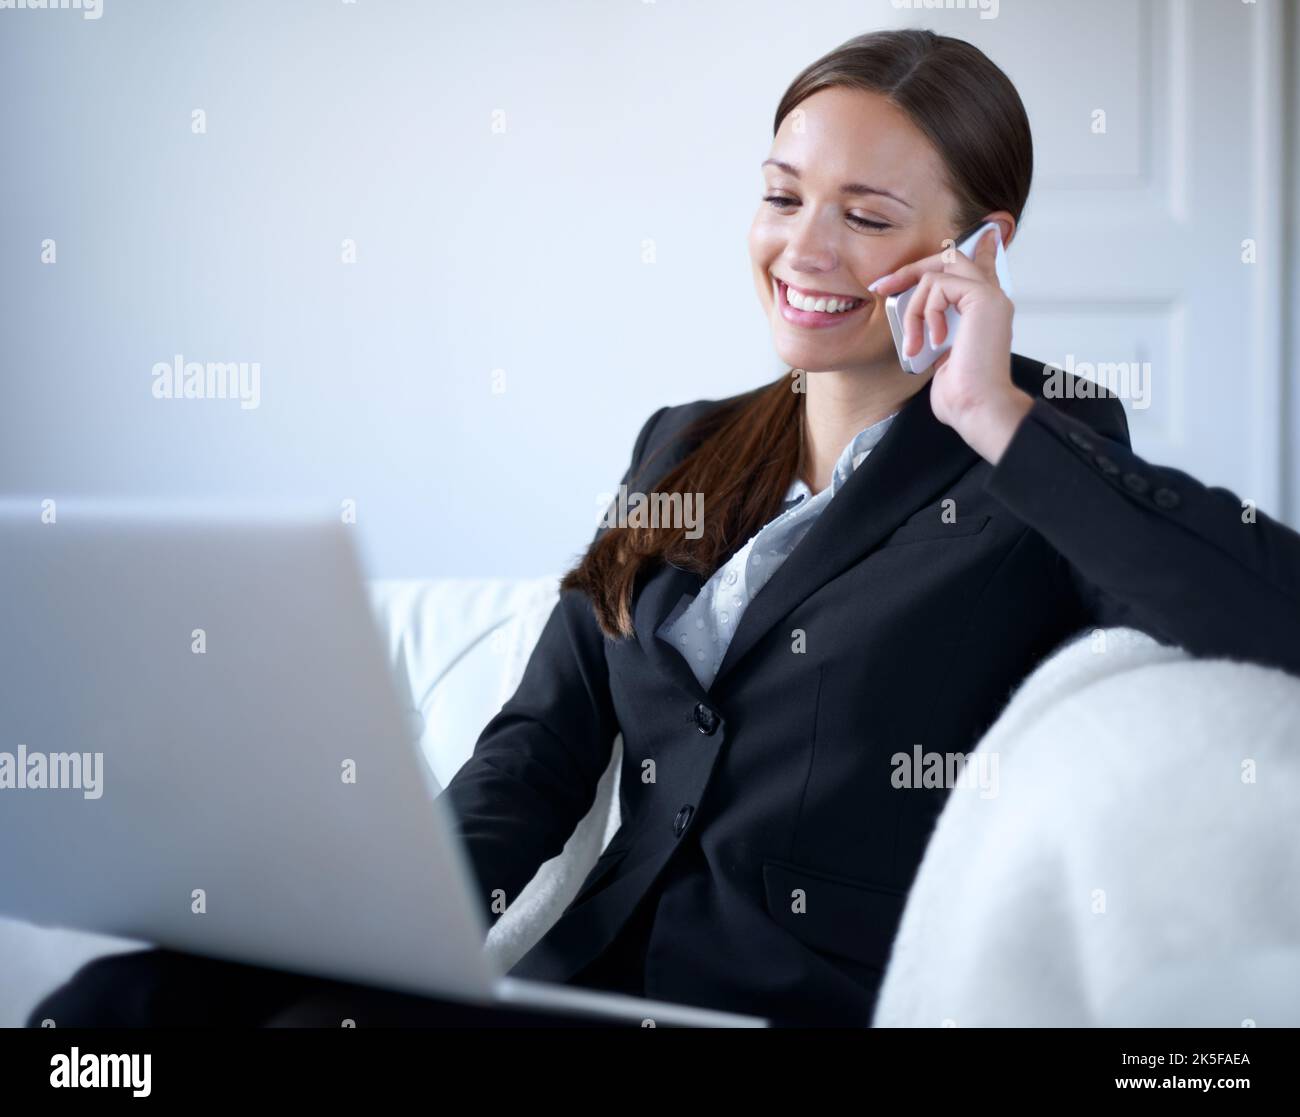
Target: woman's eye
{"type": "Point", "coordinates": [780, 202]}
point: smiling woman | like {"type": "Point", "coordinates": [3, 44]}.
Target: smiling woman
{"type": "Point", "coordinates": [885, 557]}
{"type": "Point", "coordinates": [886, 148]}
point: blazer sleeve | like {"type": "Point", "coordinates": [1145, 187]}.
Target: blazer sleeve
{"type": "Point", "coordinates": [1149, 546]}
{"type": "Point", "coordinates": [533, 774]}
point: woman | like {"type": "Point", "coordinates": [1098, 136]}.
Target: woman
{"type": "Point", "coordinates": [883, 558]}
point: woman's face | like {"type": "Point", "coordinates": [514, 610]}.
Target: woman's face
{"type": "Point", "coordinates": [817, 237]}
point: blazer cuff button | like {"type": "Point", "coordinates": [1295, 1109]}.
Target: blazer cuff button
{"type": "Point", "coordinates": [1135, 482]}
{"type": "Point", "coordinates": [1166, 498]}
{"type": "Point", "coordinates": [1080, 441]}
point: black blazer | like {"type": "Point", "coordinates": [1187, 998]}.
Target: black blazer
{"type": "Point", "coordinates": [772, 852]}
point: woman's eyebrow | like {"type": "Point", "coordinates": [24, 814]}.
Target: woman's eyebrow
{"type": "Point", "coordinates": [847, 188]}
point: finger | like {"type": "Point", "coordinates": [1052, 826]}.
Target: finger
{"type": "Point", "coordinates": [934, 294]}
{"type": "Point", "coordinates": [912, 316]}
{"type": "Point", "coordinates": [929, 293]}
{"type": "Point", "coordinates": [893, 282]}
{"type": "Point", "coordinates": [986, 255]}
{"type": "Point", "coordinates": [937, 302]}
{"type": "Point", "coordinates": [983, 266]}
{"type": "Point", "coordinates": [946, 260]}
{"type": "Point", "coordinates": [935, 307]}
{"type": "Point", "coordinates": [964, 266]}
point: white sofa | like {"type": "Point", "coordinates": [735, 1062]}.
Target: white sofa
{"type": "Point", "coordinates": [1124, 873]}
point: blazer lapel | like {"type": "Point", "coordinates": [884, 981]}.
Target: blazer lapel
{"type": "Point", "coordinates": [660, 589]}
{"type": "Point", "coordinates": [918, 459]}
{"type": "Point", "coordinates": [661, 593]}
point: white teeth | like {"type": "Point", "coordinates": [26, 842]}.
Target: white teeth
{"type": "Point", "coordinates": [822, 304]}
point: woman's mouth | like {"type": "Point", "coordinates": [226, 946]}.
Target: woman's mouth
{"type": "Point", "coordinates": [815, 311]}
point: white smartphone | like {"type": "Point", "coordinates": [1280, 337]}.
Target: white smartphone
{"type": "Point", "coordinates": [896, 307]}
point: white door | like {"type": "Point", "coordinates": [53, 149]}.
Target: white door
{"type": "Point", "coordinates": [1158, 130]}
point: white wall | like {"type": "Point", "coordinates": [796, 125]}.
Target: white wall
{"type": "Point", "coordinates": [626, 124]}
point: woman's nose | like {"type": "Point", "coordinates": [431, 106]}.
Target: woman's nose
{"type": "Point", "coordinates": [811, 247]}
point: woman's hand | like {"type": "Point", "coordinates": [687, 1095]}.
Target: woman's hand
{"type": "Point", "coordinates": [971, 389]}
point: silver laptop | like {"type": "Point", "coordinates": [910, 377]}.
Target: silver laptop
{"type": "Point", "coordinates": [201, 746]}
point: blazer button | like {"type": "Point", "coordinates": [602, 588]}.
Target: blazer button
{"type": "Point", "coordinates": [1166, 498]}
{"type": "Point", "coordinates": [1106, 465]}
{"type": "Point", "coordinates": [706, 721]}
{"type": "Point", "coordinates": [1080, 441]}
{"type": "Point", "coordinates": [1135, 482]}
{"type": "Point", "coordinates": [682, 820]}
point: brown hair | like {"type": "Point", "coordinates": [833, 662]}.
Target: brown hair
{"type": "Point", "coordinates": [750, 447]}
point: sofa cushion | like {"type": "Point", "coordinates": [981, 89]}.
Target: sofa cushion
{"type": "Point", "coordinates": [459, 647]}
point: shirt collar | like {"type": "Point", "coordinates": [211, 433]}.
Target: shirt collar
{"type": "Point", "coordinates": [852, 456]}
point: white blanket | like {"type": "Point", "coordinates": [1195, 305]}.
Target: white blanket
{"type": "Point", "coordinates": [1140, 864]}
